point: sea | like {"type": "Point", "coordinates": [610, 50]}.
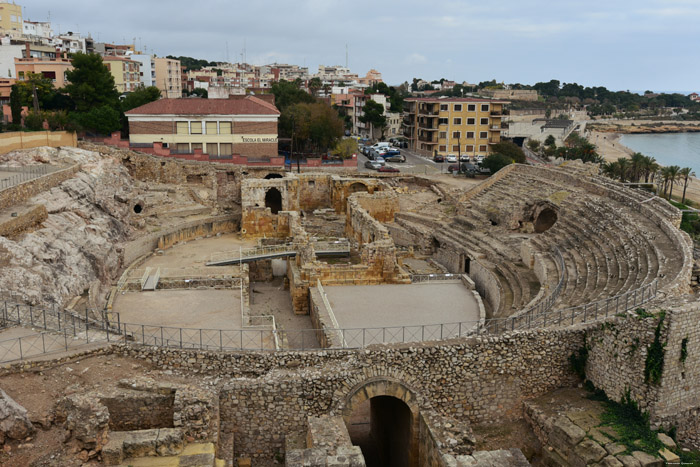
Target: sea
{"type": "Point", "coordinates": [682, 149]}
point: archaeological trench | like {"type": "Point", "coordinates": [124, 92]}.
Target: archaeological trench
{"type": "Point", "coordinates": [210, 314]}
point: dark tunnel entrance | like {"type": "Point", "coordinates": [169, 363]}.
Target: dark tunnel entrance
{"type": "Point", "coordinates": [545, 220]}
{"type": "Point", "coordinates": [273, 200]}
{"type": "Point", "coordinates": [381, 427]}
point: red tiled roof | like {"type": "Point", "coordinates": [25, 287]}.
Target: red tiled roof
{"type": "Point", "coordinates": [454, 99]}
{"type": "Point", "coordinates": [248, 105]}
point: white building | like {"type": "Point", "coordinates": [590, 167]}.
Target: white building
{"type": "Point", "coordinates": [147, 68]}
{"type": "Point", "coordinates": [70, 42]}
{"type": "Point", "coordinates": [36, 30]}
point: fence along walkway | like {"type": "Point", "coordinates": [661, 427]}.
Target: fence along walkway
{"type": "Point", "coordinates": [247, 255]}
{"type": "Point", "coordinates": [24, 174]}
{"type": "Point", "coordinates": [64, 331]}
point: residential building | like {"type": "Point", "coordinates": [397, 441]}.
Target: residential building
{"type": "Point", "coordinates": [73, 43]}
{"type": "Point", "coordinates": [11, 49]}
{"type": "Point", "coordinates": [126, 72]}
{"type": "Point", "coordinates": [244, 125]}
{"type": "Point", "coordinates": [393, 124]}
{"type": "Point", "coordinates": [116, 50]}
{"type": "Point", "coordinates": [371, 78]}
{"type": "Point", "coordinates": [147, 69]}
{"type": "Point", "coordinates": [452, 125]}
{"type": "Point", "coordinates": [168, 77]}
{"type": "Point", "coordinates": [37, 31]}
{"type": "Point", "coordinates": [282, 71]}
{"type": "Point", "coordinates": [55, 69]}
{"type": "Point", "coordinates": [11, 19]}
{"type": "Point", "coordinates": [694, 97]}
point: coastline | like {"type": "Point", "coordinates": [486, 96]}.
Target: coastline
{"type": "Point", "coordinates": [610, 148]}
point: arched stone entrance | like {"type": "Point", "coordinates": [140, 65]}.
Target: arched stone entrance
{"type": "Point", "coordinates": [357, 187]}
{"type": "Point", "coordinates": [382, 418]}
{"type": "Point", "coordinates": [272, 175]}
{"type": "Point", "coordinates": [273, 200]}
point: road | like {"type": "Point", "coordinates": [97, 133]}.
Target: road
{"type": "Point", "coordinates": [414, 164]}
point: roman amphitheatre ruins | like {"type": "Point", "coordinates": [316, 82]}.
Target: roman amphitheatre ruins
{"type": "Point", "coordinates": [158, 311]}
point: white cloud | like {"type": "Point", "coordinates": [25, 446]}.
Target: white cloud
{"type": "Point", "coordinates": [416, 59]}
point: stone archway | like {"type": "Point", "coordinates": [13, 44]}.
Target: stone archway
{"type": "Point", "coordinates": [393, 424]}
{"type": "Point", "coordinates": [273, 200]}
{"type": "Point", "coordinates": [357, 187]}
{"type": "Point", "coordinates": [272, 175]}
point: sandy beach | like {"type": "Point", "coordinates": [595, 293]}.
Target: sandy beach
{"type": "Point", "coordinates": [611, 149]}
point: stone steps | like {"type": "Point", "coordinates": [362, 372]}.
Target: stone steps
{"type": "Point", "coordinates": [193, 455]}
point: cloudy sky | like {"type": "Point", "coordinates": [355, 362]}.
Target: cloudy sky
{"type": "Point", "coordinates": [620, 44]}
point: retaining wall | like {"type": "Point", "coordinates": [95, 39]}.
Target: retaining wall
{"type": "Point", "coordinates": [24, 140]}
{"type": "Point", "coordinates": [26, 190]}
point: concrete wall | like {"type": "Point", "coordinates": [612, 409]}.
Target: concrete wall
{"type": "Point", "coordinates": [25, 140]}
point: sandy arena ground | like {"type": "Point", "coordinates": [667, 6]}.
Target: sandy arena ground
{"type": "Point", "coordinates": [396, 306]}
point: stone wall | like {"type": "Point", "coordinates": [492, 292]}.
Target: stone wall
{"type": "Point", "coordinates": [25, 220]}
{"type": "Point", "coordinates": [177, 233]}
{"type": "Point", "coordinates": [24, 140]}
{"type": "Point", "coordinates": [22, 192]}
{"type": "Point", "coordinates": [482, 379]}
{"type": "Point", "coordinates": [342, 188]}
{"type": "Point", "coordinates": [441, 436]}
{"type": "Point", "coordinates": [323, 321]}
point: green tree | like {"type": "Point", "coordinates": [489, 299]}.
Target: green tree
{"type": "Point", "coordinates": [44, 90]}
{"type": "Point", "coordinates": [346, 147]}
{"type": "Point", "coordinates": [103, 120]}
{"type": "Point", "coordinates": [314, 85]}
{"type": "Point", "coordinates": [510, 150]}
{"type": "Point", "coordinates": [200, 92]}
{"type": "Point", "coordinates": [673, 177]}
{"type": "Point", "coordinates": [91, 85]}
{"type": "Point", "coordinates": [288, 93]}
{"type": "Point", "coordinates": [34, 120]}
{"type": "Point", "coordinates": [314, 127]}
{"type": "Point", "coordinates": [141, 96]}
{"type": "Point", "coordinates": [685, 173]}
{"type": "Point", "coordinates": [16, 105]}
{"type": "Point", "coordinates": [637, 161]}
{"type": "Point", "coordinates": [623, 168]}
{"type": "Point", "coordinates": [550, 141]}
{"type": "Point", "coordinates": [533, 145]}
{"type": "Point", "coordinates": [374, 116]}
{"type": "Point", "coordinates": [496, 162]}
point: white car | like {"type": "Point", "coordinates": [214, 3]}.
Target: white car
{"type": "Point", "coordinates": [479, 159]}
{"type": "Point", "coordinates": [451, 158]}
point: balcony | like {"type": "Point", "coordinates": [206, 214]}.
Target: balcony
{"type": "Point", "coordinates": [427, 139]}
{"type": "Point", "coordinates": [429, 112]}
{"type": "Point", "coordinates": [496, 113]}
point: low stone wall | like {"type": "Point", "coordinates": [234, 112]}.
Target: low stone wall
{"type": "Point", "coordinates": [441, 437]}
{"type": "Point", "coordinates": [177, 233]}
{"type": "Point", "coordinates": [13, 141]}
{"type": "Point", "coordinates": [323, 322]}
{"type": "Point", "coordinates": [24, 191]}
{"type": "Point", "coordinates": [24, 221]}
{"type": "Point", "coordinates": [488, 286]}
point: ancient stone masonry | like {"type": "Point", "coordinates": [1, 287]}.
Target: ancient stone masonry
{"type": "Point", "coordinates": [14, 421]}
{"type": "Point", "coordinates": [26, 190]}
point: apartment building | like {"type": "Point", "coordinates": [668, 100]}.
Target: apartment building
{"type": "Point", "coordinates": [37, 30]}
{"type": "Point", "coordinates": [452, 125]}
{"type": "Point", "coordinates": [168, 78]}
{"type": "Point", "coordinates": [11, 22]}
{"type": "Point", "coordinates": [53, 68]}
{"type": "Point", "coordinates": [126, 72]}
{"type": "Point", "coordinates": [244, 125]}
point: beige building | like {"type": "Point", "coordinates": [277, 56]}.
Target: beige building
{"type": "Point", "coordinates": [511, 94]}
{"type": "Point", "coordinates": [53, 68]}
{"type": "Point", "coordinates": [452, 125]}
{"type": "Point", "coordinates": [126, 73]}
{"type": "Point", "coordinates": [11, 19]}
{"type": "Point", "coordinates": [168, 77]}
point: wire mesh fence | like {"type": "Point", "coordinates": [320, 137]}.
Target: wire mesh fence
{"type": "Point", "coordinates": [24, 174]}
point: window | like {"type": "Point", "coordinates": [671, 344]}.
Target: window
{"type": "Point", "coordinates": [469, 148]}
{"type": "Point", "coordinates": [196, 128]}
{"type": "Point", "coordinates": [196, 146]}
{"type": "Point", "coordinates": [442, 135]}
{"type": "Point", "coordinates": [485, 121]}
{"type": "Point", "coordinates": [442, 121]}
{"type": "Point", "coordinates": [212, 149]}
{"type": "Point", "coordinates": [443, 108]}
{"type": "Point", "coordinates": [482, 148]}
{"type": "Point", "coordinates": [455, 134]}
{"type": "Point", "coordinates": [470, 135]}
{"type": "Point", "coordinates": [226, 149]}
{"type": "Point", "coordinates": [212, 128]}
{"type": "Point", "coordinates": [13, 18]}
{"type": "Point", "coordinates": [442, 148]}
{"type": "Point", "coordinates": [471, 107]}
{"type": "Point", "coordinates": [471, 121]}
{"type": "Point", "coordinates": [455, 148]}
{"type": "Point", "coordinates": [458, 107]}
{"type": "Point", "coordinates": [484, 107]}
{"type": "Point", "coordinates": [457, 121]}
{"type": "Point", "coordinates": [182, 128]}
{"type": "Point", "coordinates": [183, 148]}
{"type": "Point", "coordinates": [483, 134]}
{"type": "Point", "coordinates": [20, 76]}
{"type": "Point", "coordinates": [225, 128]}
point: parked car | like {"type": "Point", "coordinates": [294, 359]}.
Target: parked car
{"type": "Point", "coordinates": [392, 151]}
{"type": "Point", "coordinates": [386, 168]}
{"type": "Point", "coordinates": [374, 165]}
{"type": "Point", "coordinates": [479, 159]}
{"type": "Point", "coordinates": [464, 158]}
{"type": "Point", "coordinates": [438, 158]}
{"type": "Point", "coordinates": [395, 158]}
{"type": "Point", "coordinates": [451, 158]}
{"type": "Point", "coordinates": [468, 169]}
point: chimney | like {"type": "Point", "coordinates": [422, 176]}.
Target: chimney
{"type": "Point", "coordinates": [28, 50]}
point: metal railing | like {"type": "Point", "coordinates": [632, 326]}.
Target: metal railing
{"type": "Point", "coordinates": [25, 174]}
{"type": "Point", "coordinates": [281, 249]}
{"type": "Point", "coordinates": [419, 278]}
{"type": "Point", "coordinates": [64, 331]}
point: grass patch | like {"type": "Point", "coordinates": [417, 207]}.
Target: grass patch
{"type": "Point", "coordinates": [642, 313]}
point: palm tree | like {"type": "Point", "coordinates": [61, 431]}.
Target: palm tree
{"type": "Point", "coordinates": [624, 167]}
{"type": "Point", "coordinates": [650, 168]}
{"type": "Point", "coordinates": [685, 173]}
{"type": "Point", "coordinates": [637, 165]}
{"type": "Point", "coordinates": [665, 176]}
{"type": "Point", "coordinates": [611, 169]}
{"type": "Point", "coordinates": [673, 176]}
